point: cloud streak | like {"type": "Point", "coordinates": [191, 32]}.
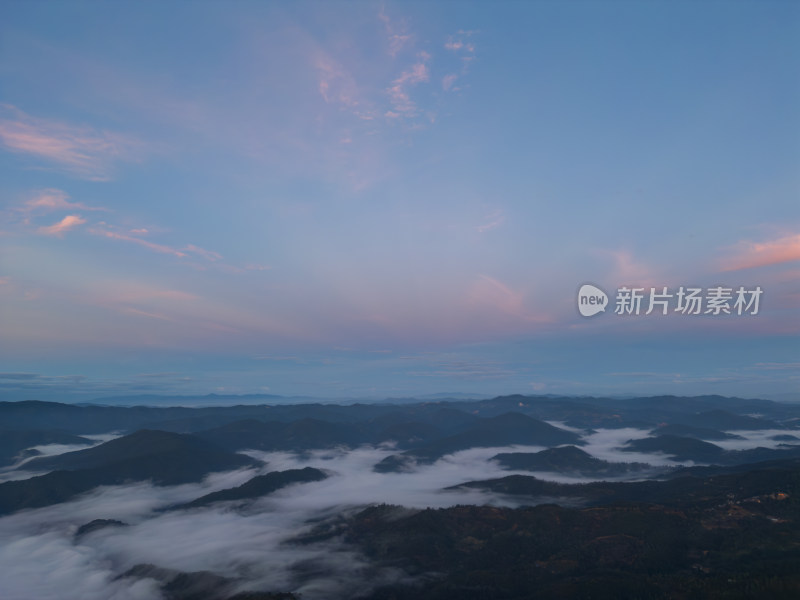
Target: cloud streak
{"type": "Point", "coordinates": [750, 255]}
{"type": "Point", "coordinates": [83, 152]}
{"type": "Point", "coordinates": [400, 90]}
{"type": "Point", "coordinates": [53, 200]}
{"type": "Point", "coordinates": [115, 235]}
{"type": "Point", "coordinates": [397, 34]}
{"type": "Point", "coordinates": [487, 292]}
{"type": "Point", "coordinates": [460, 46]}
{"type": "Point", "coordinates": [58, 229]}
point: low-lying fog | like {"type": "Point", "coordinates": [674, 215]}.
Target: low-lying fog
{"type": "Point", "coordinates": [41, 558]}
{"type": "Point", "coordinates": [16, 471]}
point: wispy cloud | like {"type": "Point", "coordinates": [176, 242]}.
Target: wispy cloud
{"type": "Point", "coordinates": [343, 80]}
{"type": "Point", "coordinates": [207, 254]}
{"type": "Point", "coordinates": [748, 255]}
{"type": "Point", "coordinates": [83, 152]}
{"type": "Point", "coordinates": [629, 270]}
{"type": "Point", "coordinates": [64, 225]}
{"type": "Point", "coordinates": [397, 34]}
{"type": "Point", "coordinates": [461, 46]}
{"type": "Point", "coordinates": [256, 267]}
{"type": "Point", "coordinates": [52, 200]}
{"type": "Point", "coordinates": [336, 84]}
{"type": "Point", "coordinates": [466, 369]}
{"type": "Point", "coordinates": [143, 313]}
{"type": "Point", "coordinates": [138, 236]}
{"type": "Point", "coordinates": [778, 366]}
{"type": "Point", "coordinates": [399, 91]}
{"type": "Point", "coordinates": [133, 292]}
{"type": "Point", "coordinates": [492, 221]}
{"type": "Point", "coordinates": [143, 300]}
{"type": "Point", "coordinates": [24, 376]}
{"type": "Point", "coordinates": [487, 292]}
{"type": "Point", "coordinates": [125, 237]}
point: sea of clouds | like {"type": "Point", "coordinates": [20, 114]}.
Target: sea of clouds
{"type": "Point", "coordinates": [41, 557]}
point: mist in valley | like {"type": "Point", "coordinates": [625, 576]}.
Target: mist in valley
{"type": "Point", "coordinates": [252, 542]}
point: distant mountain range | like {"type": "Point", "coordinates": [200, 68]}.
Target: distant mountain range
{"type": "Point", "coordinates": [159, 446]}
{"type": "Point", "coordinates": [714, 412]}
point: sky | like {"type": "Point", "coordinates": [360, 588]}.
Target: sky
{"type": "Point", "coordinates": [370, 200]}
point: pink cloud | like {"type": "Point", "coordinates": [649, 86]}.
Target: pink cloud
{"type": "Point", "coordinates": [464, 50]}
{"type": "Point", "coordinates": [64, 225]}
{"type": "Point", "coordinates": [448, 81]}
{"type": "Point", "coordinates": [748, 255]}
{"type": "Point", "coordinates": [399, 91]}
{"type": "Point", "coordinates": [161, 248]}
{"type": "Point", "coordinates": [396, 32]}
{"type": "Point", "coordinates": [493, 220]}
{"type": "Point", "coordinates": [143, 299]}
{"type": "Point", "coordinates": [257, 267]}
{"type": "Point", "coordinates": [123, 292]}
{"type": "Point", "coordinates": [488, 292]}
{"type": "Point", "coordinates": [81, 151]}
{"type": "Point", "coordinates": [190, 249]}
{"type": "Point", "coordinates": [630, 271]}
{"type": "Point", "coordinates": [52, 199]}
{"type": "Point", "coordinates": [460, 42]}
{"type": "Point", "coordinates": [336, 85]}
{"type": "Point", "coordinates": [143, 313]}
{"type": "Point", "coordinates": [207, 254]}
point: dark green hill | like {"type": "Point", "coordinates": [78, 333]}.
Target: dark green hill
{"type": "Point", "coordinates": [172, 457]}
{"type": "Point", "coordinates": [198, 585]}
{"type": "Point", "coordinates": [736, 539]}
{"type": "Point", "coordinates": [157, 456]}
{"type": "Point", "coordinates": [97, 525]}
{"type": "Point", "coordinates": [700, 433]}
{"type": "Point", "coordinates": [507, 429]}
{"type": "Point", "coordinates": [785, 437]}
{"type": "Point", "coordinates": [503, 430]}
{"type": "Point", "coordinates": [565, 459]}
{"type": "Point", "coordinates": [409, 434]}
{"type": "Point", "coordinates": [680, 448]}
{"type": "Point", "coordinates": [686, 490]}
{"type": "Point", "coordinates": [259, 486]}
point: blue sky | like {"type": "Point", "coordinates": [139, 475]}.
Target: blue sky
{"type": "Point", "coordinates": [387, 199]}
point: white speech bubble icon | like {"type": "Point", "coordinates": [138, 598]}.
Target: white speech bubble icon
{"type": "Point", "coordinates": [591, 300]}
